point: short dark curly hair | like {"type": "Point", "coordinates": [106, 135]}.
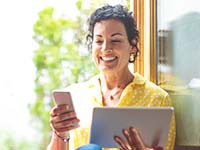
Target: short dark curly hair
{"type": "Point", "coordinates": [118, 12]}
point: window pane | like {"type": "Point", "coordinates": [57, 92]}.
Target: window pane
{"type": "Point", "coordinates": [178, 68]}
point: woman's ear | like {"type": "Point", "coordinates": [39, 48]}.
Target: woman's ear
{"type": "Point", "coordinates": [133, 46]}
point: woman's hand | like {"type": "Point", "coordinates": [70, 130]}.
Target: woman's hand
{"type": "Point", "coordinates": [133, 141]}
{"type": "Point", "coordinates": [62, 120]}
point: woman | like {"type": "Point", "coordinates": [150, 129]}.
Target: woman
{"type": "Point", "coordinates": [113, 38]}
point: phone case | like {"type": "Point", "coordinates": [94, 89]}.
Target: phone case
{"type": "Point", "coordinates": [63, 97]}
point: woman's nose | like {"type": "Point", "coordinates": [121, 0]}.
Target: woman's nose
{"type": "Point", "coordinates": [106, 46]}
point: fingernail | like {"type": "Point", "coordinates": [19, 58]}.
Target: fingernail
{"type": "Point", "coordinates": [125, 131]}
{"type": "Point", "coordinates": [116, 138]}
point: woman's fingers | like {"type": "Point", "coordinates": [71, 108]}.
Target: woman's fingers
{"type": "Point", "coordinates": [65, 123]}
{"type": "Point", "coordinates": [62, 120]}
{"type": "Point", "coordinates": [133, 140]}
{"type": "Point", "coordinates": [137, 139]}
{"type": "Point", "coordinates": [66, 128]}
{"type": "Point", "coordinates": [121, 142]}
{"type": "Point", "coordinates": [127, 135]}
{"type": "Point", "coordinates": [64, 116]}
{"type": "Point", "coordinates": [56, 110]}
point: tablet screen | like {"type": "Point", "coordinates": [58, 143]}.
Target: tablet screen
{"type": "Point", "coordinates": [153, 124]}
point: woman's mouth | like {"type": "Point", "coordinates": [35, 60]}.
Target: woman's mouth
{"type": "Point", "coordinates": [108, 58]}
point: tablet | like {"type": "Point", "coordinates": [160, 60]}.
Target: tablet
{"type": "Point", "coordinates": [153, 124]}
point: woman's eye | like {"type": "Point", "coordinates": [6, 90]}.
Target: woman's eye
{"type": "Point", "coordinates": [98, 42]}
{"type": "Point", "coordinates": [115, 41]}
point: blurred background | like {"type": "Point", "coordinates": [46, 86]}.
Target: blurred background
{"type": "Point", "coordinates": [42, 48]}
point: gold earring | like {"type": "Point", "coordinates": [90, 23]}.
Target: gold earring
{"type": "Point", "coordinates": [132, 57]}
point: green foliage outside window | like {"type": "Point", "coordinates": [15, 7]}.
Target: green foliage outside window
{"type": "Point", "coordinates": [61, 59]}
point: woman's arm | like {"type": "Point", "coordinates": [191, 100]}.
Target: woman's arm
{"type": "Point", "coordinates": [62, 121]}
{"type": "Point", "coordinates": [57, 143]}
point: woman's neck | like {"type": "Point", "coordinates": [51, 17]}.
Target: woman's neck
{"type": "Point", "coordinates": [116, 80]}
{"type": "Point", "coordinates": [112, 86]}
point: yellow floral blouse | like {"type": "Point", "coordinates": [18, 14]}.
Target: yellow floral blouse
{"type": "Point", "coordinates": [139, 92]}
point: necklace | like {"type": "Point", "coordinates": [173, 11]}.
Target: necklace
{"type": "Point", "coordinates": [115, 93]}
{"type": "Point", "coordinates": [112, 96]}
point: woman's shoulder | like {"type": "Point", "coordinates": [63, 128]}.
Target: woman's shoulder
{"type": "Point", "coordinates": [149, 85]}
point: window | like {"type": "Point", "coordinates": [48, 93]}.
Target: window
{"type": "Point", "coordinates": [178, 64]}
{"type": "Point", "coordinates": [170, 52]}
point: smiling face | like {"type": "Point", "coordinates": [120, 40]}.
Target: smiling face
{"type": "Point", "coordinates": [110, 47]}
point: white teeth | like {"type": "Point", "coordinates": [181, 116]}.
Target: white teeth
{"type": "Point", "coordinates": [108, 58]}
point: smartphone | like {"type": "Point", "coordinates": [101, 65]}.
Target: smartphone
{"type": "Point", "coordinates": [63, 97]}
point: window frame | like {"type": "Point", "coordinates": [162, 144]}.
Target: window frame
{"type": "Point", "coordinates": [145, 16]}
